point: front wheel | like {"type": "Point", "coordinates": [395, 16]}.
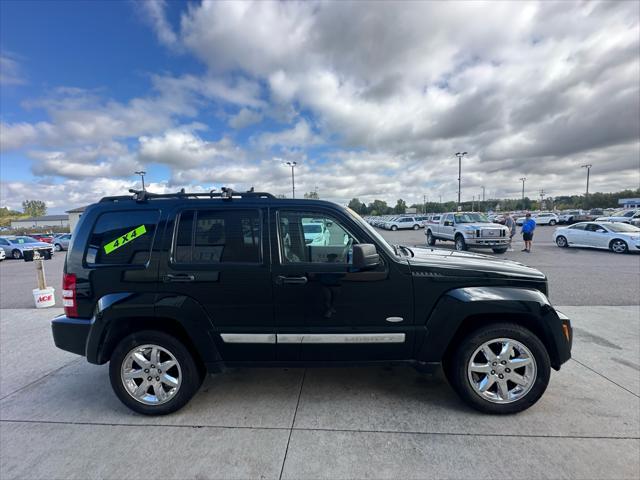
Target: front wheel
{"type": "Point", "coordinates": [431, 240]}
{"type": "Point", "coordinates": [461, 245]}
{"type": "Point", "coordinates": [552, 222]}
{"type": "Point", "coordinates": [153, 373]}
{"type": "Point", "coordinates": [619, 246]}
{"type": "Point", "coordinates": [16, 254]}
{"type": "Point", "coordinates": [500, 368]}
{"type": "Point", "coordinates": [394, 228]}
{"type": "Point", "coordinates": [58, 247]}
{"type": "Point", "coordinates": [416, 227]}
{"type": "Point", "coordinates": [562, 241]}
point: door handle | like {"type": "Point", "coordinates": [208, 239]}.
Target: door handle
{"type": "Point", "coordinates": [181, 277]}
{"type": "Point", "coordinates": [282, 280]}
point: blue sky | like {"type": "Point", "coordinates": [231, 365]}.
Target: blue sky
{"type": "Point", "coordinates": [371, 99]}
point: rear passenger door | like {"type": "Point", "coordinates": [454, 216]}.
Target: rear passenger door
{"type": "Point", "coordinates": [217, 258]}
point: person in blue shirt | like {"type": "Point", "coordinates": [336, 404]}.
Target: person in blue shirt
{"type": "Point", "coordinates": [528, 227]}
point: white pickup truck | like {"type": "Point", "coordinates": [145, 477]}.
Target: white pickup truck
{"type": "Point", "coordinates": [468, 229]}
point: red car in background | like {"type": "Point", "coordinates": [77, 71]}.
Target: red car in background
{"type": "Point", "coordinates": [42, 237]}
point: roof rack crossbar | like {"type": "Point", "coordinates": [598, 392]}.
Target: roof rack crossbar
{"type": "Point", "coordinates": [225, 194]}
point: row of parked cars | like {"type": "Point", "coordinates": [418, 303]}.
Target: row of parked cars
{"type": "Point", "coordinates": [398, 222]}
{"type": "Point", "coordinates": [14, 246]}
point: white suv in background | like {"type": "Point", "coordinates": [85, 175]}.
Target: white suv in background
{"type": "Point", "coordinates": [401, 223]}
{"type": "Point", "coordinates": [544, 218]}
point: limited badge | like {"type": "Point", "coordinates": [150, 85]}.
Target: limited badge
{"type": "Point", "coordinates": [124, 239]}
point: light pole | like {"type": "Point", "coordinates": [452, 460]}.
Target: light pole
{"type": "Point", "coordinates": [460, 155]}
{"type": "Point", "coordinates": [523, 179]}
{"type": "Point", "coordinates": [482, 197]}
{"type": "Point", "coordinates": [142, 173]}
{"type": "Point", "coordinates": [586, 197]}
{"type": "Point", "coordinates": [293, 178]}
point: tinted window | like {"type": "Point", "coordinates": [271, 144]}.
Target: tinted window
{"type": "Point", "coordinates": [298, 245]}
{"type": "Point", "coordinates": [592, 227]}
{"type": "Point", "coordinates": [122, 238]}
{"type": "Point", "coordinates": [577, 226]}
{"type": "Point", "coordinates": [218, 236]}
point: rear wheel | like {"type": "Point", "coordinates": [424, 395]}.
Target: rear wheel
{"type": "Point", "coordinates": [552, 222]}
{"type": "Point", "coordinates": [619, 246]}
{"type": "Point", "coordinates": [562, 241]}
{"type": "Point", "coordinates": [58, 247]}
{"type": "Point", "coordinates": [431, 240]}
{"type": "Point", "coordinates": [394, 228]}
{"type": "Point", "coordinates": [500, 368]}
{"type": "Point", "coordinates": [461, 245]}
{"type": "Point", "coordinates": [153, 373]}
{"type": "Point", "coordinates": [416, 226]}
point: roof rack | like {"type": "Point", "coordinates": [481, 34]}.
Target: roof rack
{"type": "Point", "coordinates": [225, 194]}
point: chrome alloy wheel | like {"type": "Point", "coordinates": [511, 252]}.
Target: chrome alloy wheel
{"type": "Point", "coordinates": [619, 246]}
{"type": "Point", "coordinates": [502, 370]}
{"type": "Point", "coordinates": [151, 374]}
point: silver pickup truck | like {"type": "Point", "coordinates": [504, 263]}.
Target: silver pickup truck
{"type": "Point", "coordinates": [468, 229]}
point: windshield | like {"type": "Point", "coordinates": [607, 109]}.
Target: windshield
{"type": "Point", "coordinates": [21, 240]}
{"type": "Point", "coordinates": [623, 227]}
{"type": "Point", "coordinates": [471, 218]}
{"type": "Point", "coordinates": [372, 231]}
{"type": "Point", "coordinates": [312, 228]}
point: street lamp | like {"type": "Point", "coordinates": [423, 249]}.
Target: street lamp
{"type": "Point", "coordinates": [293, 178]}
{"type": "Point", "coordinates": [523, 179]}
{"type": "Point", "coordinates": [586, 197]}
{"type": "Point", "coordinates": [460, 155]}
{"type": "Point", "coordinates": [142, 173]}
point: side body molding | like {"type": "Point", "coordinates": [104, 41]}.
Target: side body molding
{"type": "Point", "coordinates": [526, 306]}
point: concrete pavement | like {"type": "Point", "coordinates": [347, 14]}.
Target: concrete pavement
{"type": "Point", "coordinates": [59, 418]}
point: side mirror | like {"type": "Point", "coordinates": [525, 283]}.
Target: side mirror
{"type": "Point", "coordinates": [365, 256]}
{"type": "Point", "coordinates": [601, 230]}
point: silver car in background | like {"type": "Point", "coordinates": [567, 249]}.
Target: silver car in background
{"type": "Point", "coordinates": [15, 246]}
{"type": "Point", "coordinates": [615, 236]}
{"type": "Point", "coordinates": [61, 242]}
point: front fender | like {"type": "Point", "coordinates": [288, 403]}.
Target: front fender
{"type": "Point", "coordinates": [460, 308]}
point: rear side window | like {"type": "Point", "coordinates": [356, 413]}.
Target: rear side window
{"type": "Point", "coordinates": [122, 238]}
{"type": "Point", "coordinates": [218, 236]}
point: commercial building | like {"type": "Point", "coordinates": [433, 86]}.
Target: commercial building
{"type": "Point", "coordinates": [74, 216]}
{"type": "Point", "coordinates": [629, 202]}
{"type": "Point", "coordinates": [43, 222]}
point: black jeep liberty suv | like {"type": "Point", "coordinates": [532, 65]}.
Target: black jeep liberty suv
{"type": "Point", "coordinates": [169, 287]}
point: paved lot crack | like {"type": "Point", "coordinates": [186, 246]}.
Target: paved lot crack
{"type": "Point", "coordinates": [48, 374]}
{"type": "Point", "coordinates": [606, 378]}
{"type": "Point", "coordinates": [293, 422]}
{"type": "Point", "coordinates": [317, 429]}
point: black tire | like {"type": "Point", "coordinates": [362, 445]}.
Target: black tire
{"type": "Point", "coordinates": [57, 247]}
{"type": "Point", "coordinates": [552, 223]}
{"type": "Point", "coordinates": [431, 240]}
{"type": "Point", "coordinates": [457, 367]}
{"type": "Point", "coordinates": [618, 245]}
{"type": "Point", "coordinates": [394, 228]}
{"type": "Point", "coordinates": [16, 254]}
{"type": "Point", "coordinates": [500, 250]}
{"type": "Point", "coordinates": [416, 227]}
{"type": "Point", "coordinates": [192, 375]}
{"type": "Point", "coordinates": [562, 242]}
{"type": "Point", "coordinates": [460, 244]}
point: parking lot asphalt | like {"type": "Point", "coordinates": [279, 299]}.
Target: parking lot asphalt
{"type": "Point", "coordinates": [577, 276]}
{"type": "Point", "coordinates": [60, 419]}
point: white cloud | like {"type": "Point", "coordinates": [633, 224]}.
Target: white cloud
{"type": "Point", "coordinates": [244, 118]}
{"type": "Point", "coordinates": [300, 135]}
{"type": "Point", "coordinates": [154, 13]}
{"type": "Point", "coordinates": [10, 70]}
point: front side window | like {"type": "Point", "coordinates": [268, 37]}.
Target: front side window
{"type": "Point", "coordinates": [122, 238]}
{"type": "Point", "coordinates": [217, 236]}
{"type": "Point", "coordinates": [313, 238]}
{"type": "Point", "coordinates": [577, 226]}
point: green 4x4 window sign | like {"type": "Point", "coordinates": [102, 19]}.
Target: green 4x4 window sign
{"type": "Point", "coordinates": [124, 239]}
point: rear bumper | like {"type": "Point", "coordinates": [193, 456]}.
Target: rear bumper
{"type": "Point", "coordinates": [71, 334]}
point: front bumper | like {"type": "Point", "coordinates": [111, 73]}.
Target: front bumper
{"type": "Point", "coordinates": [71, 334]}
{"type": "Point", "coordinates": [480, 242]}
{"type": "Point", "coordinates": [565, 342]}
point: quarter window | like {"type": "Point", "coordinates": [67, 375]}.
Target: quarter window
{"type": "Point", "coordinates": [218, 236]}
{"type": "Point", "coordinates": [122, 238]}
{"type": "Point", "coordinates": [313, 238]}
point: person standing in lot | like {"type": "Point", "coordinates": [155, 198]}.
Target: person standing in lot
{"type": "Point", "coordinates": [528, 227]}
{"type": "Point", "coordinates": [510, 223]}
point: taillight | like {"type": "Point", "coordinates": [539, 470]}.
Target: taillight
{"type": "Point", "coordinates": [69, 295]}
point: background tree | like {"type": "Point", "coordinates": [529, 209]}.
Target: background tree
{"type": "Point", "coordinates": [312, 195]}
{"type": "Point", "coordinates": [401, 206]}
{"type": "Point", "coordinates": [357, 206]}
{"type": "Point", "coordinates": [378, 207]}
{"type": "Point", "coordinates": [34, 208]}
